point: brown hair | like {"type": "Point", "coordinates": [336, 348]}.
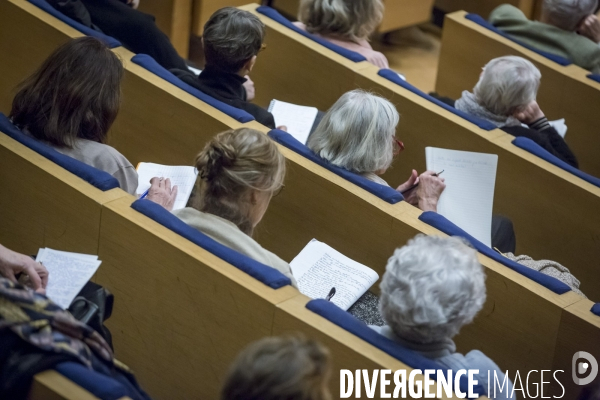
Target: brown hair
{"type": "Point", "coordinates": [230, 165]}
{"type": "Point", "coordinates": [275, 368]}
{"type": "Point", "coordinates": [74, 94]}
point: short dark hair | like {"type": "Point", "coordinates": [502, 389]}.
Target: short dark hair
{"type": "Point", "coordinates": [231, 38]}
{"type": "Point", "coordinates": [74, 94]}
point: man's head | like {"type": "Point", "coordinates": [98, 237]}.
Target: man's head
{"type": "Point", "coordinates": [232, 39]}
{"type": "Point", "coordinates": [567, 14]}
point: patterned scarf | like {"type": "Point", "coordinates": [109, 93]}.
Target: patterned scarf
{"type": "Point", "coordinates": [468, 103]}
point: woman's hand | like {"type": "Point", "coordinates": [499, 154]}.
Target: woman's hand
{"type": "Point", "coordinates": [590, 28]}
{"type": "Point", "coordinates": [529, 114]}
{"type": "Point", "coordinates": [429, 191]}
{"type": "Point", "coordinates": [161, 193]}
{"type": "Point", "coordinates": [410, 195]}
{"type": "Point", "coordinates": [249, 86]}
{"type": "Point", "coordinates": [13, 263]}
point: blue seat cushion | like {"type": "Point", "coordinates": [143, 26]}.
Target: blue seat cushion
{"type": "Point", "coordinates": [383, 192]}
{"type": "Point", "coordinates": [274, 15]}
{"type": "Point", "coordinates": [552, 57]}
{"type": "Point", "coordinates": [344, 320]}
{"type": "Point", "coordinates": [110, 41]}
{"type": "Point", "coordinates": [94, 382]}
{"type": "Point", "coordinates": [151, 65]}
{"type": "Point", "coordinates": [535, 149]}
{"type": "Point", "coordinates": [265, 274]}
{"type": "Point", "coordinates": [393, 77]}
{"type": "Point", "coordinates": [596, 309]}
{"type": "Point", "coordinates": [439, 222]}
{"type": "Point", "coordinates": [594, 77]}
{"type": "Point", "coordinates": [99, 179]}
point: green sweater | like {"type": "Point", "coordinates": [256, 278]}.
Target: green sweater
{"type": "Point", "coordinates": [579, 49]}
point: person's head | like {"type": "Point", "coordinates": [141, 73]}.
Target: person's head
{"type": "Point", "coordinates": [279, 368]}
{"type": "Point", "coordinates": [507, 84]}
{"type": "Point", "coordinates": [567, 14]}
{"type": "Point", "coordinates": [431, 288]}
{"type": "Point", "coordinates": [74, 94]}
{"type": "Point", "coordinates": [232, 38]}
{"type": "Point", "coordinates": [357, 133]}
{"type": "Point", "coordinates": [347, 19]}
{"type": "Point", "coordinates": [238, 173]}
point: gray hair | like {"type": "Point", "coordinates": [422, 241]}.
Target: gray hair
{"type": "Point", "coordinates": [231, 38]}
{"type": "Point", "coordinates": [356, 133]}
{"type": "Point", "coordinates": [507, 84]}
{"type": "Point", "coordinates": [347, 19]}
{"type": "Point", "coordinates": [431, 288]}
{"type": "Point", "coordinates": [567, 14]}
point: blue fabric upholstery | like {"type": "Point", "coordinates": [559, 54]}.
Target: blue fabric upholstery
{"type": "Point", "coordinates": [99, 179]}
{"type": "Point", "coordinates": [552, 57]}
{"type": "Point", "coordinates": [594, 77]}
{"type": "Point", "coordinates": [94, 382]}
{"type": "Point", "coordinates": [383, 192]}
{"type": "Point", "coordinates": [535, 149]}
{"type": "Point", "coordinates": [441, 223]}
{"type": "Point", "coordinates": [274, 15]}
{"type": "Point", "coordinates": [110, 41]}
{"type": "Point", "coordinates": [151, 65]}
{"type": "Point", "coordinates": [344, 320]}
{"type": "Point", "coordinates": [265, 274]}
{"type": "Point", "coordinates": [393, 77]}
{"type": "Point", "coordinates": [596, 309]}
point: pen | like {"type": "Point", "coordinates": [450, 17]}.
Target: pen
{"type": "Point", "coordinates": [331, 294]}
{"type": "Point", "coordinates": [145, 194]}
{"type": "Point", "coordinates": [416, 184]}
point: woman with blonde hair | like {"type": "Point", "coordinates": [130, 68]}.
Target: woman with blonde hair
{"type": "Point", "coordinates": [346, 23]}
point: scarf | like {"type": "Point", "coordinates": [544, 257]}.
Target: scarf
{"type": "Point", "coordinates": [468, 104]}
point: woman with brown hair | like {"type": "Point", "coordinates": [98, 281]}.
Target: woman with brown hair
{"type": "Point", "coordinates": [70, 103]}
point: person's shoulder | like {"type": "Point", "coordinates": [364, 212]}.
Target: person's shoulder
{"type": "Point", "coordinates": [186, 76]}
{"type": "Point", "coordinates": [506, 12]}
{"type": "Point", "coordinates": [102, 152]}
{"type": "Point", "coordinates": [476, 359]}
{"type": "Point", "coordinates": [260, 114]}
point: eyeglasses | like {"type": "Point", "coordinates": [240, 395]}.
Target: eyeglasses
{"type": "Point", "coordinates": [398, 146]}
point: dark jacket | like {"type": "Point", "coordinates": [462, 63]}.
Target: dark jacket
{"type": "Point", "coordinates": [228, 88]}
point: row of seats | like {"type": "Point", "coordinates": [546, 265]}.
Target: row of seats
{"type": "Point", "coordinates": [146, 341]}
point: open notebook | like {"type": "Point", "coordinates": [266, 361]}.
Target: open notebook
{"type": "Point", "coordinates": [183, 177]}
{"type": "Point", "coordinates": [319, 268]}
{"type": "Point", "coordinates": [299, 120]}
{"type": "Point", "coordinates": [468, 198]}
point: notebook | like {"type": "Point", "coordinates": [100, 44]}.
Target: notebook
{"type": "Point", "coordinates": [468, 198]}
{"type": "Point", "coordinates": [183, 177]}
{"type": "Point", "coordinates": [319, 268]}
{"type": "Point", "coordinates": [67, 273]}
{"type": "Point", "coordinates": [299, 120]}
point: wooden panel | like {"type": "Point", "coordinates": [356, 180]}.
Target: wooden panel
{"type": "Point", "coordinates": [181, 314]}
{"type": "Point", "coordinates": [203, 9]}
{"type": "Point", "coordinates": [51, 385]}
{"type": "Point", "coordinates": [484, 7]}
{"type": "Point", "coordinates": [174, 18]}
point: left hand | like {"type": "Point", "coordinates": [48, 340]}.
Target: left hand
{"type": "Point", "coordinates": [13, 263]}
{"type": "Point", "coordinates": [411, 196]}
{"type": "Point", "coordinates": [590, 28]}
{"type": "Point", "coordinates": [249, 86]}
{"type": "Point", "coordinates": [161, 193]}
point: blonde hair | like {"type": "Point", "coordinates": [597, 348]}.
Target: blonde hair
{"type": "Point", "coordinates": [353, 20]}
{"type": "Point", "coordinates": [230, 166]}
{"type": "Point", "coordinates": [279, 368]}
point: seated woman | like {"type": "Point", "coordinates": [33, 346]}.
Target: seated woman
{"type": "Point", "coordinates": [70, 103]}
{"type": "Point", "coordinates": [346, 23]}
{"type": "Point", "coordinates": [279, 368]}
{"type": "Point", "coordinates": [358, 133]}
{"type": "Point", "coordinates": [505, 96]}
{"type": "Point", "coordinates": [431, 288]}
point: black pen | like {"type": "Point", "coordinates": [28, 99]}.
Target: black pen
{"type": "Point", "coordinates": [416, 184]}
{"type": "Point", "coordinates": [331, 294]}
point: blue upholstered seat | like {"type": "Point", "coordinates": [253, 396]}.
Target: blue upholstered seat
{"type": "Point", "coordinates": [594, 77]}
{"type": "Point", "coordinates": [99, 179]}
{"type": "Point", "coordinates": [344, 320]}
{"type": "Point", "coordinates": [383, 192]}
{"type": "Point", "coordinates": [151, 65]}
{"type": "Point", "coordinates": [393, 77]}
{"type": "Point", "coordinates": [552, 57]}
{"type": "Point", "coordinates": [596, 309]}
{"type": "Point", "coordinates": [265, 274]}
{"type": "Point", "coordinates": [439, 222]}
{"type": "Point", "coordinates": [94, 382]}
{"type": "Point", "coordinates": [274, 15]}
{"type": "Point", "coordinates": [535, 149]}
{"type": "Point", "coordinates": [110, 41]}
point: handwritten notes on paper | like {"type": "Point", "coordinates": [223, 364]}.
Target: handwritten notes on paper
{"type": "Point", "coordinates": [298, 119]}
{"type": "Point", "coordinates": [183, 177]}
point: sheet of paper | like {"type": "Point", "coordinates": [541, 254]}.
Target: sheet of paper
{"type": "Point", "coordinates": [298, 119]}
{"type": "Point", "coordinates": [68, 273]}
{"type": "Point", "coordinates": [183, 177]}
{"type": "Point", "coordinates": [318, 268]}
{"type": "Point", "coordinates": [468, 198]}
{"type": "Point", "coordinates": [560, 126]}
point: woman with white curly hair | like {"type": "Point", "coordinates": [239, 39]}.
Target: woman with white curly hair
{"type": "Point", "coordinates": [432, 287]}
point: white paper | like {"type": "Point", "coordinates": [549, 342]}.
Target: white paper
{"type": "Point", "coordinates": [318, 268]}
{"type": "Point", "coordinates": [560, 126]}
{"type": "Point", "coordinates": [183, 177]}
{"type": "Point", "coordinates": [68, 273]}
{"type": "Point", "coordinates": [298, 119]}
{"type": "Point", "coordinates": [468, 198]}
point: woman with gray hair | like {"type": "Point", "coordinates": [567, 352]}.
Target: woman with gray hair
{"type": "Point", "coordinates": [346, 23]}
{"type": "Point", "coordinates": [431, 288]}
{"type": "Point", "coordinates": [506, 96]}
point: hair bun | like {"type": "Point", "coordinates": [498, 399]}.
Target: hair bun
{"type": "Point", "coordinates": [214, 158]}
